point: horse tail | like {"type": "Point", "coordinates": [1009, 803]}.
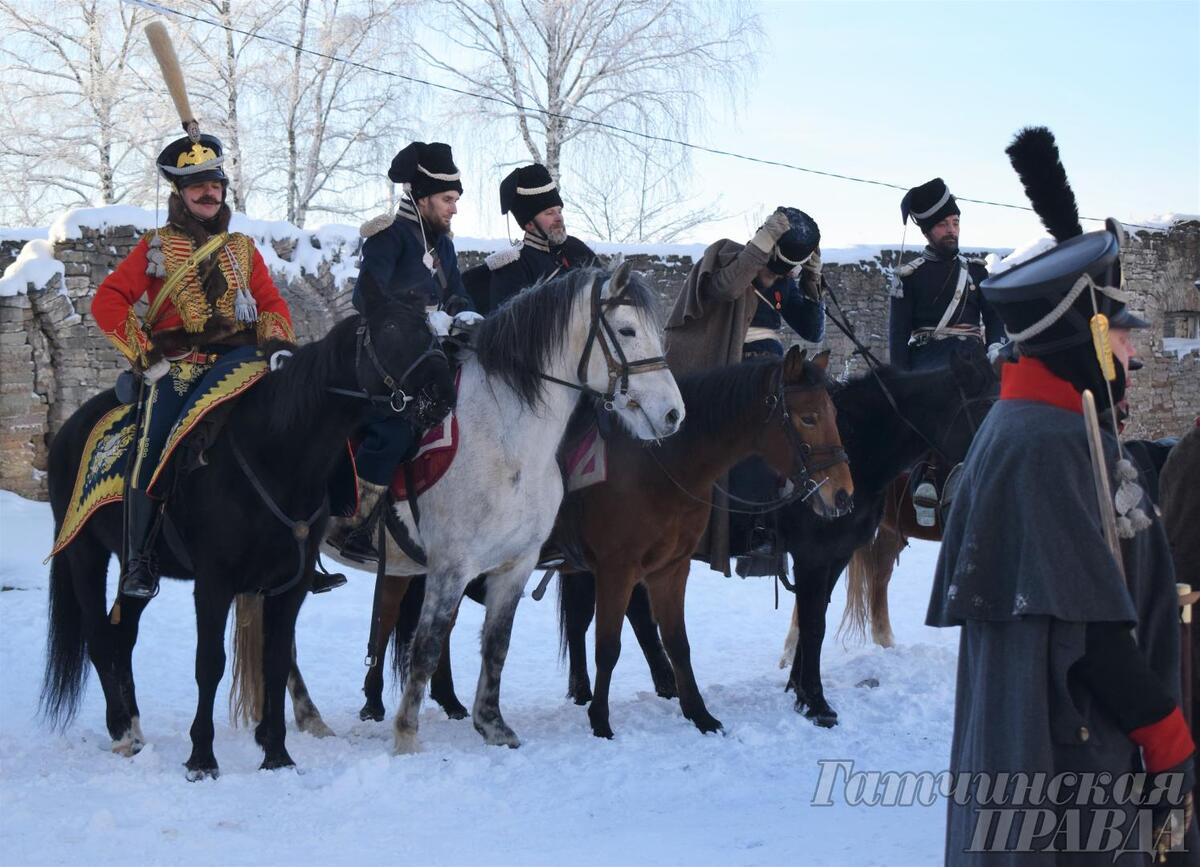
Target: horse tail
{"type": "Point", "coordinates": [406, 627]}
{"type": "Point", "coordinates": [246, 691]}
{"type": "Point", "coordinates": [860, 575]}
{"type": "Point", "coordinates": [66, 647]}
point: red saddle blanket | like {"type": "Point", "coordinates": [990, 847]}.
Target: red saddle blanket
{"type": "Point", "coordinates": [434, 456]}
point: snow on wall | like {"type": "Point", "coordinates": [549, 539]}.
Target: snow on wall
{"type": "Point", "coordinates": [34, 266]}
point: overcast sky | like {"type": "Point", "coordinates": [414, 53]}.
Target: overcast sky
{"type": "Point", "coordinates": [902, 92]}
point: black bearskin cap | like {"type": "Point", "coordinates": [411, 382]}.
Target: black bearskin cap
{"type": "Point", "coordinates": [928, 204]}
{"type": "Point", "coordinates": [426, 168]}
{"type": "Point", "coordinates": [527, 191]}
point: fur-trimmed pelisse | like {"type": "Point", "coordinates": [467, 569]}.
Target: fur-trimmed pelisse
{"type": "Point", "coordinates": [500, 258]}
{"type": "Point", "coordinates": [376, 224]}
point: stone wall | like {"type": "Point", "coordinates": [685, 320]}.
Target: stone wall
{"type": "Point", "coordinates": [52, 356]}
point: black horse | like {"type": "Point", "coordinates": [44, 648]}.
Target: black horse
{"type": "Point", "coordinates": [888, 419]}
{"type": "Point", "coordinates": [273, 459]}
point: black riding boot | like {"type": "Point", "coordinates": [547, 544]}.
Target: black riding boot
{"type": "Point", "coordinates": [354, 538]}
{"type": "Point", "coordinates": [140, 577]}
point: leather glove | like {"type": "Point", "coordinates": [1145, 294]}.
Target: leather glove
{"type": "Point", "coordinates": [771, 231]}
{"type": "Point", "coordinates": [465, 322]}
{"type": "Point", "coordinates": [156, 371]}
{"type": "Point", "coordinates": [810, 276]}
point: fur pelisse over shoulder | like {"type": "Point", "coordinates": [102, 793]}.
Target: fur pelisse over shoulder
{"type": "Point", "coordinates": [375, 225]}
{"type": "Point", "coordinates": [500, 258]}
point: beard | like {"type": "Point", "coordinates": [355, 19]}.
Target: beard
{"type": "Point", "coordinates": [557, 237]}
{"type": "Point", "coordinates": [947, 246]}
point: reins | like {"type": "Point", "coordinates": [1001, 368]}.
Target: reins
{"type": "Point", "coordinates": [396, 398]}
{"type": "Point", "coordinates": [300, 529]}
{"type": "Point", "coordinates": [600, 332]}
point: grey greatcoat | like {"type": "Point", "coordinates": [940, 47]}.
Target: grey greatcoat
{"type": "Point", "coordinates": [1023, 569]}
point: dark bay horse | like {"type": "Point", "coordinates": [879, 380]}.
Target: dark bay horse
{"type": "Point", "coordinates": [290, 431]}
{"type": "Point", "coordinates": [941, 408]}
{"type": "Point", "coordinates": [643, 523]}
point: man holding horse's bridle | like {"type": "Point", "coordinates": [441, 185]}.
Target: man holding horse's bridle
{"type": "Point", "coordinates": [531, 195]}
{"type": "Point", "coordinates": [410, 252]}
{"type": "Point", "coordinates": [208, 291]}
{"type": "Point", "coordinates": [734, 305]}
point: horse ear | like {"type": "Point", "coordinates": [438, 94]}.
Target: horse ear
{"type": "Point", "coordinates": [821, 360]}
{"type": "Point", "coordinates": [619, 281]}
{"type": "Point", "coordinates": [793, 364]}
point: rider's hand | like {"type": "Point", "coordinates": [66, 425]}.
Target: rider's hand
{"type": "Point", "coordinates": [156, 371]}
{"type": "Point", "coordinates": [810, 276]}
{"type": "Point", "coordinates": [771, 231]}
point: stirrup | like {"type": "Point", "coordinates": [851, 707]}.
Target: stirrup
{"type": "Point", "coordinates": [925, 503]}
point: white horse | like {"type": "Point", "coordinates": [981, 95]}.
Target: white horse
{"type": "Point", "coordinates": [495, 506]}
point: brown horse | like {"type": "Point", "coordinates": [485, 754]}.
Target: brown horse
{"type": "Point", "coordinates": [643, 523]}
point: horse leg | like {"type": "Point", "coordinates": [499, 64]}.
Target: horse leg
{"type": "Point", "coordinates": [886, 550]}
{"type": "Point", "coordinates": [793, 635]}
{"type": "Point", "coordinates": [503, 593]}
{"type": "Point", "coordinates": [385, 612]}
{"type": "Point", "coordinates": [441, 685]}
{"type": "Point", "coordinates": [812, 601]}
{"type": "Point", "coordinates": [308, 718]}
{"type": "Point", "coordinates": [124, 638]}
{"type": "Point", "coordinates": [576, 607]}
{"type": "Point", "coordinates": [279, 643]}
{"type": "Point", "coordinates": [642, 620]}
{"type": "Point", "coordinates": [667, 592]}
{"type": "Point", "coordinates": [612, 599]}
{"type": "Point", "coordinates": [442, 594]}
{"type": "Point", "coordinates": [212, 610]}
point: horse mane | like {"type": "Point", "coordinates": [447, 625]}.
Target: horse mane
{"type": "Point", "coordinates": [295, 391]}
{"type": "Point", "coordinates": [515, 342]}
{"type": "Point", "coordinates": [724, 396]}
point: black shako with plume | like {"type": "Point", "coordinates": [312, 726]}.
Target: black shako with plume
{"type": "Point", "coordinates": [1034, 155]}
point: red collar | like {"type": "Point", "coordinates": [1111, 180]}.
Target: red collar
{"type": "Point", "coordinates": [1030, 379]}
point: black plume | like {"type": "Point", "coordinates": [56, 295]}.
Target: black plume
{"type": "Point", "coordinates": [1034, 155]}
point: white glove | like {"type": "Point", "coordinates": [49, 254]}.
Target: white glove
{"type": "Point", "coordinates": [993, 351]}
{"type": "Point", "coordinates": [156, 371]}
{"type": "Point", "coordinates": [770, 232]}
{"type": "Point", "coordinates": [440, 322]}
{"type": "Point", "coordinates": [465, 321]}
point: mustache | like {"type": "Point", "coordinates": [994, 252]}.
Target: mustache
{"type": "Point", "coordinates": [208, 200]}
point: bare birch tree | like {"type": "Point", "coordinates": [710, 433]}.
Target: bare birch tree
{"type": "Point", "coordinates": [335, 121]}
{"type": "Point", "coordinates": [565, 72]}
{"type": "Point", "coordinates": [72, 118]}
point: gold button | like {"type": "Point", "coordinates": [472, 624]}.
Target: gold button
{"type": "Point", "coordinates": [1084, 734]}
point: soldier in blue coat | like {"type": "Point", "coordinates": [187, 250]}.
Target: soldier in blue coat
{"type": "Point", "coordinates": [530, 194]}
{"type": "Point", "coordinates": [936, 302]}
{"type": "Point", "coordinates": [408, 252]}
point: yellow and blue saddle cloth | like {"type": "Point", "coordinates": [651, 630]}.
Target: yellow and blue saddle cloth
{"type": "Point", "coordinates": [108, 452]}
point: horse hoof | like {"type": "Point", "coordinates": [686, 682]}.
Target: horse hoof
{"type": "Point", "coordinates": [371, 712]}
{"type": "Point", "coordinates": [580, 694]}
{"type": "Point", "coordinates": [316, 727]}
{"type": "Point", "coordinates": [498, 735]}
{"type": "Point", "coordinates": [667, 692]}
{"type": "Point", "coordinates": [406, 744]}
{"type": "Point", "coordinates": [276, 763]}
{"type": "Point", "coordinates": [825, 720]}
{"type": "Point", "coordinates": [709, 725]}
{"type": "Point", "coordinates": [603, 730]}
{"type": "Point", "coordinates": [128, 746]}
{"type": "Point", "coordinates": [455, 710]}
{"type": "Point", "coordinates": [195, 775]}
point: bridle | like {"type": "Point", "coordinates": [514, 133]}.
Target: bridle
{"type": "Point", "coordinates": [600, 333]}
{"type": "Point", "coordinates": [806, 459]}
{"type": "Point", "coordinates": [396, 398]}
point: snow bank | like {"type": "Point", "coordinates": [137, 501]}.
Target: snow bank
{"type": "Point", "coordinates": [1180, 346]}
{"type": "Point", "coordinates": [34, 266]}
{"type": "Point", "coordinates": [70, 224]}
{"type": "Point", "coordinates": [1160, 222]}
{"type": "Point", "coordinates": [1021, 254]}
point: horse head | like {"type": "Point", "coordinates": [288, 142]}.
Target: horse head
{"type": "Point", "coordinates": [398, 358]}
{"type": "Point", "coordinates": [806, 447]}
{"type": "Point", "coordinates": [623, 357]}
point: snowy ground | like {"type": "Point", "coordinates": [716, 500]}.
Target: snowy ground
{"type": "Point", "coordinates": [658, 793]}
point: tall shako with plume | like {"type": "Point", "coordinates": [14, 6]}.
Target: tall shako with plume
{"type": "Point", "coordinates": [193, 159]}
{"type": "Point", "coordinates": [1059, 305]}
